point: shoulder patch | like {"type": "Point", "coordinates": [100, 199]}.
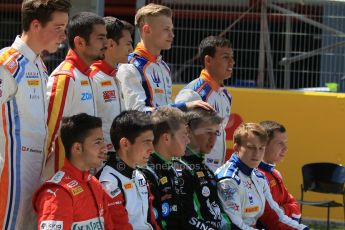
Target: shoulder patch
{"type": "Point", "coordinates": [259, 174]}
{"type": "Point", "coordinates": [57, 177]}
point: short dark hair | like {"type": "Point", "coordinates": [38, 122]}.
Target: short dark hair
{"type": "Point", "coordinates": [81, 25]}
{"type": "Point", "coordinates": [209, 44]}
{"type": "Point", "coordinates": [41, 10]}
{"type": "Point", "coordinates": [271, 127]}
{"type": "Point", "coordinates": [115, 27]}
{"type": "Point", "coordinates": [129, 124]}
{"type": "Point", "coordinates": [167, 119]}
{"type": "Point", "coordinates": [76, 129]}
{"type": "Point", "coordinates": [197, 116]}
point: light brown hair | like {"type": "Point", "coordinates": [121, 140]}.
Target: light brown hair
{"type": "Point", "coordinates": [150, 10]}
{"type": "Point", "coordinates": [245, 129]}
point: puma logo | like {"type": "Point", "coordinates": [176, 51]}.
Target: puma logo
{"type": "Point", "coordinates": [52, 192]}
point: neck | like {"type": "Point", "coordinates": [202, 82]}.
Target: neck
{"type": "Point", "coordinates": [123, 156]}
{"type": "Point", "coordinates": [268, 161]}
{"type": "Point", "coordinates": [151, 48]}
{"type": "Point", "coordinates": [110, 61]}
{"type": "Point", "coordinates": [31, 42]}
{"type": "Point", "coordinates": [79, 164]}
{"type": "Point", "coordinates": [162, 150]}
{"type": "Point", "coordinates": [85, 59]}
{"type": "Point", "coordinates": [214, 76]}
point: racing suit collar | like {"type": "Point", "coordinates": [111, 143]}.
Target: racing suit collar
{"type": "Point", "coordinates": [78, 174]}
{"type": "Point", "coordinates": [120, 166]}
{"type": "Point", "coordinates": [266, 166]}
{"type": "Point", "coordinates": [205, 75]}
{"type": "Point", "coordinates": [142, 51]}
{"type": "Point", "coordinates": [239, 164]}
{"type": "Point", "coordinates": [105, 67]}
{"type": "Point", "coordinates": [77, 62]}
{"type": "Point", "coordinates": [190, 151]}
{"type": "Point", "coordinates": [23, 48]}
{"type": "Point", "coordinates": [160, 157]}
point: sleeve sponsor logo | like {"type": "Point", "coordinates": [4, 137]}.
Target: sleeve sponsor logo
{"type": "Point", "coordinates": [106, 83]}
{"type": "Point", "coordinates": [84, 82]}
{"type": "Point", "coordinates": [57, 177]}
{"type": "Point", "coordinates": [77, 190]}
{"type": "Point", "coordinates": [109, 95]}
{"type": "Point", "coordinates": [51, 225]}
{"type": "Point", "coordinates": [11, 66]}
{"type": "Point", "coordinates": [128, 185]}
{"type": "Point", "coordinates": [272, 183]}
{"type": "Point", "coordinates": [252, 209]}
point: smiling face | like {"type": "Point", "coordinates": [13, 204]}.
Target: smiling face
{"type": "Point", "coordinates": [93, 149]}
{"type": "Point", "coordinates": [251, 151]}
{"type": "Point", "coordinates": [276, 148]}
{"type": "Point", "coordinates": [138, 152]}
{"type": "Point", "coordinates": [52, 34]}
{"type": "Point", "coordinates": [220, 66]}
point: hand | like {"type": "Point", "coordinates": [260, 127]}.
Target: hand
{"type": "Point", "coordinates": [199, 103]}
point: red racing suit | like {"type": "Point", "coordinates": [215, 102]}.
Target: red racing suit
{"type": "Point", "coordinates": [69, 92]}
{"type": "Point", "coordinates": [71, 199]}
{"type": "Point", "coordinates": [279, 193]}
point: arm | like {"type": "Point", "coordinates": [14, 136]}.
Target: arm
{"type": "Point", "coordinates": [54, 207]}
{"type": "Point", "coordinates": [60, 90]}
{"type": "Point", "coordinates": [8, 85]}
{"type": "Point", "coordinates": [229, 195]}
{"type": "Point", "coordinates": [192, 100]}
{"type": "Point", "coordinates": [134, 94]}
{"type": "Point", "coordinates": [116, 206]}
{"type": "Point", "coordinates": [274, 217]}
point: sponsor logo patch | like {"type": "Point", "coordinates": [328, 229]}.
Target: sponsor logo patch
{"type": "Point", "coordinates": [72, 184]}
{"type": "Point", "coordinates": [86, 96]}
{"type": "Point", "coordinates": [205, 191]}
{"type": "Point", "coordinates": [109, 95]}
{"type": "Point", "coordinates": [251, 209]}
{"type": "Point", "coordinates": [159, 91]}
{"type": "Point", "coordinates": [272, 183]}
{"type": "Point", "coordinates": [57, 177]}
{"type": "Point", "coordinates": [51, 225]}
{"type": "Point", "coordinates": [84, 82]}
{"type": "Point", "coordinates": [200, 174]}
{"type": "Point", "coordinates": [164, 180]}
{"type": "Point", "coordinates": [77, 190]}
{"type": "Point", "coordinates": [92, 224]}
{"type": "Point", "coordinates": [33, 82]}
{"type": "Point", "coordinates": [11, 66]}
{"type": "Point", "coordinates": [128, 185]}
{"type": "Point", "coordinates": [105, 83]}
{"type": "Point", "coordinates": [165, 209]}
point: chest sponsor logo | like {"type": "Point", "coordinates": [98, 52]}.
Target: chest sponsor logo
{"type": "Point", "coordinates": [109, 95]}
{"type": "Point", "coordinates": [251, 209]}
{"type": "Point", "coordinates": [251, 200]}
{"type": "Point", "coordinates": [105, 83]}
{"type": "Point", "coordinates": [33, 82]}
{"type": "Point", "coordinates": [128, 185]}
{"type": "Point", "coordinates": [164, 180]}
{"type": "Point", "coordinates": [86, 96]}
{"type": "Point", "coordinates": [142, 182]}
{"type": "Point", "coordinates": [27, 149]}
{"type": "Point", "coordinates": [205, 191]}
{"type": "Point", "coordinates": [200, 174]}
{"type": "Point", "coordinates": [57, 177]}
{"type": "Point", "coordinates": [155, 78]}
{"type": "Point", "coordinates": [214, 209]}
{"type": "Point", "coordinates": [51, 225]}
{"type": "Point", "coordinates": [273, 183]}
{"type": "Point", "coordinates": [72, 183]}
{"type": "Point", "coordinates": [159, 91]}
{"type": "Point", "coordinates": [165, 209]}
{"type": "Point", "coordinates": [77, 190]}
{"type": "Point", "coordinates": [84, 82]}
{"type": "Point", "coordinates": [91, 224]}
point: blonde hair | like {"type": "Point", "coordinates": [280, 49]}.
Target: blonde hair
{"type": "Point", "coordinates": [247, 128]}
{"type": "Point", "coordinates": [150, 10]}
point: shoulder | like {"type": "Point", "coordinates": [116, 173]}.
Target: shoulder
{"type": "Point", "coordinates": [64, 69]}
{"type": "Point", "coordinates": [259, 174]}
{"type": "Point", "coordinates": [109, 174]}
{"type": "Point", "coordinates": [228, 171]}
{"type": "Point", "coordinates": [9, 59]}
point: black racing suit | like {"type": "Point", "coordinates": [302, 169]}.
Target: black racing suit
{"type": "Point", "coordinates": [170, 183]}
{"type": "Point", "coordinates": [204, 189]}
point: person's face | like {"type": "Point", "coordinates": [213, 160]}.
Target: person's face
{"type": "Point", "coordinates": [276, 148]}
{"type": "Point", "coordinates": [53, 33]}
{"type": "Point", "coordinates": [178, 141]}
{"type": "Point", "coordinates": [138, 153]}
{"type": "Point", "coordinates": [95, 48]}
{"type": "Point", "coordinates": [161, 32]}
{"type": "Point", "coordinates": [93, 149]}
{"type": "Point", "coordinates": [204, 137]}
{"type": "Point", "coordinates": [221, 64]}
{"type": "Point", "coordinates": [124, 47]}
{"type": "Point", "coordinates": [251, 151]}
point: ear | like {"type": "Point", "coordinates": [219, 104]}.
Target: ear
{"type": "Point", "coordinates": [35, 25]}
{"type": "Point", "coordinates": [79, 42]}
{"type": "Point", "coordinates": [236, 147]}
{"type": "Point", "coordinates": [124, 143]}
{"type": "Point", "coordinates": [111, 43]}
{"type": "Point", "coordinates": [207, 60]}
{"type": "Point", "coordinates": [146, 28]}
{"type": "Point", "coordinates": [77, 148]}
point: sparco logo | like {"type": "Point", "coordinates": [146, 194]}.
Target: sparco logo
{"type": "Point", "coordinates": [51, 225]}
